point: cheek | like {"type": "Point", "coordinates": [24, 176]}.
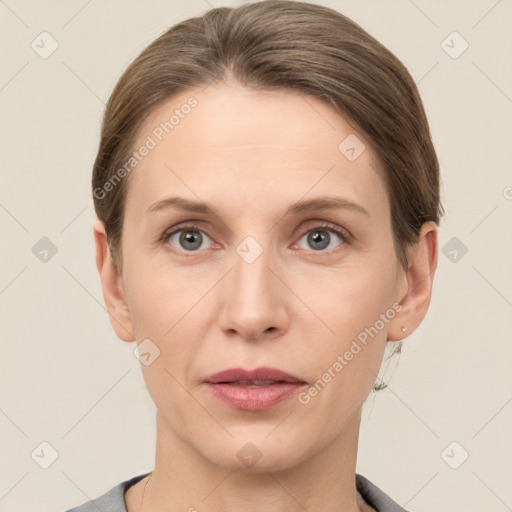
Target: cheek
{"type": "Point", "coordinates": [352, 309]}
{"type": "Point", "coordinates": [344, 302]}
{"type": "Point", "coordinates": [158, 297]}
{"type": "Point", "coordinates": [166, 307]}
{"type": "Point", "coordinates": [346, 365]}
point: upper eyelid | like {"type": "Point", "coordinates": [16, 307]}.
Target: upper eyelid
{"type": "Point", "coordinates": [194, 225]}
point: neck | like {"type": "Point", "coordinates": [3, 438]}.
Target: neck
{"type": "Point", "coordinates": [184, 480]}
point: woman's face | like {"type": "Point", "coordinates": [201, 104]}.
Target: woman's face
{"type": "Point", "coordinates": [255, 284]}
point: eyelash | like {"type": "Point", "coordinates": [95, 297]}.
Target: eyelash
{"type": "Point", "coordinates": [345, 236]}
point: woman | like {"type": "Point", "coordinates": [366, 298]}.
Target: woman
{"type": "Point", "coordinates": [267, 195]}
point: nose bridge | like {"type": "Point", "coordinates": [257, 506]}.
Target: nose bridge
{"type": "Point", "coordinates": [251, 262]}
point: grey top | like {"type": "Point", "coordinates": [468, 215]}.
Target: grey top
{"type": "Point", "coordinates": [113, 500]}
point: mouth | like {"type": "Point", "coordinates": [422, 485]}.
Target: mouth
{"type": "Point", "coordinates": [252, 383]}
{"type": "Point", "coordinates": [259, 376]}
{"type": "Point", "coordinates": [253, 390]}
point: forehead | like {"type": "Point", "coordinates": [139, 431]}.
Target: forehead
{"type": "Point", "coordinates": [229, 144]}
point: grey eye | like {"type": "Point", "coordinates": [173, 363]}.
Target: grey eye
{"type": "Point", "coordinates": [188, 239]}
{"type": "Point", "coordinates": [319, 239]}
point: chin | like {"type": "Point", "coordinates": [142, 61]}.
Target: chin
{"type": "Point", "coordinates": [257, 453]}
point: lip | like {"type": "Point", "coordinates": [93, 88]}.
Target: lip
{"type": "Point", "coordinates": [229, 386]}
{"type": "Point", "coordinates": [261, 373]}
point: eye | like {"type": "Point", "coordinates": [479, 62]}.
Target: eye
{"type": "Point", "coordinates": [189, 238]}
{"type": "Point", "coordinates": [320, 237]}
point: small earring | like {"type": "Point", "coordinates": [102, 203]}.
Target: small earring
{"type": "Point", "coordinates": [403, 329]}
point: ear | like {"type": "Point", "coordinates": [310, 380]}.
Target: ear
{"type": "Point", "coordinates": [112, 285]}
{"type": "Point", "coordinates": [419, 278]}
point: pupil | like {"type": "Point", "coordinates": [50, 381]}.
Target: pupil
{"type": "Point", "coordinates": [320, 240]}
{"type": "Point", "coordinates": [191, 237]}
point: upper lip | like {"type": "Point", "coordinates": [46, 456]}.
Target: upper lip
{"type": "Point", "coordinates": [257, 374]}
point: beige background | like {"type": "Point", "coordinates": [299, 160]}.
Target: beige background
{"type": "Point", "coordinates": [68, 381]}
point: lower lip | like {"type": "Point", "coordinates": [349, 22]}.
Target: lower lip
{"type": "Point", "coordinates": [254, 399]}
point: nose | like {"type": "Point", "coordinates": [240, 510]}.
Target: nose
{"type": "Point", "coordinates": [254, 299]}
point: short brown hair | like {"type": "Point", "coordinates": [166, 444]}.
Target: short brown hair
{"type": "Point", "coordinates": [281, 45]}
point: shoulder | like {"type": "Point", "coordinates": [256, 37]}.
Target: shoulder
{"type": "Point", "coordinates": [112, 500]}
{"type": "Point", "coordinates": [375, 497]}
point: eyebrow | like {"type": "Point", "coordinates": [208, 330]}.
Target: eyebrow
{"type": "Point", "coordinates": [305, 206]}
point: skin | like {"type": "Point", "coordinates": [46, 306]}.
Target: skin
{"type": "Point", "coordinates": [250, 155]}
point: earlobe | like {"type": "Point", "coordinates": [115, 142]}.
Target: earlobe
{"type": "Point", "coordinates": [419, 277]}
{"type": "Point", "coordinates": [111, 284]}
